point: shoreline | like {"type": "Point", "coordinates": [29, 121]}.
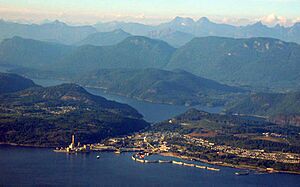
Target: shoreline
{"type": "Point", "coordinates": [174, 155]}
{"type": "Point", "coordinates": [223, 164]}
{"type": "Point", "coordinates": [174, 162]}
{"type": "Point", "coordinates": [106, 91]}
{"type": "Point", "coordinates": [26, 145]}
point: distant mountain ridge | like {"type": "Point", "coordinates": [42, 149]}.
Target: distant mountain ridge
{"type": "Point", "coordinates": [135, 52]}
{"type": "Point", "coordinates": [180, 30]}
{"type": "Point", "coordinates": [54, 31]}
{"type": "Point", "coordinates": [104, 38]}
{"type": "Point", "coordinates": [204, 27]}
{"type": "Point", "coordinates": [256, 61]}
{"type": "Point", "coordinates": [173, 37]}
{"type": "Point", "coordinates": [18, 51]}
{"type": "Point", "coordinates": [264, 64]}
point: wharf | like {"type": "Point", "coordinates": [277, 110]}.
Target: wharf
{"type": "Point", "coordinates": [173, 162]}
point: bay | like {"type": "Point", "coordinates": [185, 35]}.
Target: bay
{"type": "Point", "coordinates": [22, 166]}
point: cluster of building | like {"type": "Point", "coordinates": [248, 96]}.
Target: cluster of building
{"type": "Point", "coordinates": [59, 110]}
{"type": "Point", "coordinates": [158, 143]}
{"type": "Point", "coordinates": [292, 158]}
{"type": "Point", "coordinates": [272, 134]}
{"type": "Point", "coordinates": [73, 148]}
{"type": "Point", "coordinates": [171, 142]}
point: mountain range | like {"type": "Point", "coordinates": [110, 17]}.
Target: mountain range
{"type": "Point", "coordinates": [133, 52]}
{"type": "Point", "coordinates": [177, 32]}
{"type": "Point", "coordinates": [204, 27]}
{"type": "Point", "coordinates": [258, 62]}
{"type": "Point", "coordinates": [53, 32]}
{"type": "Point", "coordinates": [262, 63]}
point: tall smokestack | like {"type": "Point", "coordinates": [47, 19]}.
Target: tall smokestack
{"type": "Point", "coordinates": [73, 139]}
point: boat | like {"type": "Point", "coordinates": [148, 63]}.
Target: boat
{"type": "Point", "coordinates": [242, 173]}
{"type": "Point", "coordinates": [98, 156]}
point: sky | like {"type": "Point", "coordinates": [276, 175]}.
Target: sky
{"type": "Point", "coordinates": [238, 12]}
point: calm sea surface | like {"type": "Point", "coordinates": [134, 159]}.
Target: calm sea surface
{"type": "Point", "coordinates": [43, 167]}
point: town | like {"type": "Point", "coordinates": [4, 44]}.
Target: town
{"type": "Point", "coordinates": [181, 146]}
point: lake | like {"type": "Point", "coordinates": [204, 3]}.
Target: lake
{"type": "Point", "coordinates": [43, 167]}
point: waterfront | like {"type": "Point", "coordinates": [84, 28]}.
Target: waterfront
{"type": "Point", "coordinates": [42, 167]}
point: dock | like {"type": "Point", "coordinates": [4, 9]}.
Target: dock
{"type": "Point", "coordinates": [173, 162]}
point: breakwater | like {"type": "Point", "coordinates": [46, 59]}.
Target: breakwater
{"type": "Point", "coordinates": [134, 157]}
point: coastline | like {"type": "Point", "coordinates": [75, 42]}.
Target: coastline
{"type": "Point", "coordinates": [174, 155]}
{"type": "Point", "coordinates": [223, 164]}
{"type": "Point", "coordinates": [106, 91]}
{"type": "Point", "coordinates": [26, 145]}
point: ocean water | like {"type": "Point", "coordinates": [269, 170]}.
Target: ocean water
{"type": "Point", "coordinates": [21, 166]}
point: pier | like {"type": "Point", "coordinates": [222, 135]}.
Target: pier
{"type": "Point", "coordinates": [134, 157]}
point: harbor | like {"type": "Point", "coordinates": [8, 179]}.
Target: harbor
{"type": "Point", "coordinates": [84, 169]}
{"type": "Point", "coordinates": [86, 148]}
{"type": "Point", "coordinates": [141, 157]}
{"type": "Point", "coordinates": [145, 144]}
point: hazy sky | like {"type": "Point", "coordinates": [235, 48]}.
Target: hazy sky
{"type": "Point", "coordinates": [151, 11]}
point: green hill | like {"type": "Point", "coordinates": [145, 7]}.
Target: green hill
{"type": "Point", "coordinates": [48, 116]}
{"type": "Point", "coordinates": [154, 85]}
{"type": "Point", "coordinates": [268, 104]}
{"type": "Point", "coordinates": [12, 83]}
